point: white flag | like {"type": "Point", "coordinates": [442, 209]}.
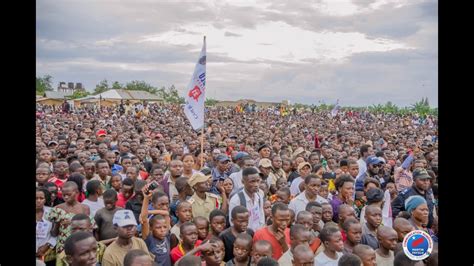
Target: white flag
{"type": "Point", "coordinates": [196, 92]}
{"type": "Point", "coordinates": [336, 108]}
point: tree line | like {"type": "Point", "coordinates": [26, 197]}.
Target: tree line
{"type": "Point", "coordinates": [171, 95]}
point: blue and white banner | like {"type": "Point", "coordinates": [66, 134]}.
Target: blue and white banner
{"type": "Point", "coordinates": [336, 108]}
{"type": "Point", "coordinates": [196, 92]}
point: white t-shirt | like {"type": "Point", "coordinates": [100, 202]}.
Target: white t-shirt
{"type": "Point", "coordinates": [237, 179]}
{"type": "Point", "coordinates": [94, 206]}
{"type": "Point", "coordinates": [362, 167]}
{"type": "Point", "coordinates": [295, 186]}
{"type": "Point", "coordinates": [322, 260]}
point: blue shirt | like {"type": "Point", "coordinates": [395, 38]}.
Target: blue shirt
{"type": "Point", "coordinates": [116, 168]}
{"type": "Point", "coordinates": [159, 248]}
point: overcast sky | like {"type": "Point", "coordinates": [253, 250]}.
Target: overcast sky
{"type": "Point", "coordinates": [361, 52]}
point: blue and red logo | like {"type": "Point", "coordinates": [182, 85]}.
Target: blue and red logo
{"type": "Point", "coordinates": [417, 245]}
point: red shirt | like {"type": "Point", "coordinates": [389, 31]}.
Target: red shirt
{"type": "Point", "coordinates": [178, 252]}
{"type": "Point", "coordinates": [265, 234]}
{"type": "Point", "coordinates": [344, 236]}
{"type": "Point", "coordinates": [121, 200]}
{"type": "Point", "coordinates": [143, 175]}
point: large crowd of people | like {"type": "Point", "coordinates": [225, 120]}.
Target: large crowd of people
{"type": "Point", "coordinates": [134, 184]}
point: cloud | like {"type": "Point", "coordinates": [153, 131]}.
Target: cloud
{"type": "Point", "coordinates": [230, 34]}
{"type": "Point", "coordinates": [360, 51]}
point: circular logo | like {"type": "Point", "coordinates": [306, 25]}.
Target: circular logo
{"type": "Point", "coordinates": [417, 245]}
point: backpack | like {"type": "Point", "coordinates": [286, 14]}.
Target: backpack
{"type": "Point", "coordinates": [243, 202]}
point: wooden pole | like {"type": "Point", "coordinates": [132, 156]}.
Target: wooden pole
{"type": "Point", "coordinates": [202, 146]}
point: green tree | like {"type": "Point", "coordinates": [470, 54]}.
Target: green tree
{"type": "Point", "coordinates": [101, 87]}
{"type": "Point", "coordinates": [171, 95]}
{"type": "Point", "coordinates": [44, 84]}
{"type": "Point", "coordinates": [117, 86]}
{"type": "Point", "coordinates": [79, 94]}
{"type": "Point", "coordinates": [421, 107]}
{"type": "Point", "coordinates": [140, 86]}
{"type": "Point", "coordinates": [210, 102]}
{"type": "Point", "coordinates": [389, 107]}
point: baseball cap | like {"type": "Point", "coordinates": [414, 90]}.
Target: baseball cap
{"type": "Point", "coordinates": [123, 218]}
{"type": "Point", "coordinates": [222, 158]}
{"type": "Point", "coordinates": [206, 171]}
{"type": "Point", "coordinates": [265, 163]}
{"type": "Point", "coordinates": [373, 160]}
{"type": "Point", "coordinates": [240, 155]}
{"type": "Point", "coordinates": [52, 142]}
{"type": "Point", "coordinates": [420, 173]}
{"type": "Point", "coordinates": [101, 132]}
{"type": "Point", "coordinates": [197, 178]}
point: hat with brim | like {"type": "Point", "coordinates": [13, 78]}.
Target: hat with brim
{"type": "Point", "coordinates": [101, 132]}
{"type": "Point", "coordinates": [198, 177]}
{"type": "Point", "coordinates": [297, 152]}
{"type": "Point", "coordinates": [52, 142]}
{"type": "Point", "coordinates": [240, 155]}
{"type": "Point", "coordinates": [265, 163]}
{"type": "Point", "coordinates": [124, 218]}
{"type": "Point", "coordinates": [373, 160]}
{"type": "Point", "coordinates": [303, 164]}
{"type": "Point", "coordinates": [222, 158]}
{"type": "Point", "coordinates": [420, 173]}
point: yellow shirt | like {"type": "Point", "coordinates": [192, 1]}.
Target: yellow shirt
{"type": "Point", "coordinates": [204, 207]}
{"type": "Point", "coordinates": [114, 254]}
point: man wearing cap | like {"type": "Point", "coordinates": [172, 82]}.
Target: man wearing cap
{"type": "Point", "coordinates": [202, 201]}
{"type": "Point", "coordinates": [238, 159]}
{"type": "Point", "coordinates": [304, 169]}
{"type": "Point", "coordinates": [220, 172]}
{"type": "Point", "coordinates": [298, 152]}
{"type": "Point", "coordinates": [374, 164]}
{"type": "Point", "coordinates": [420, 187]}
{"type": "Point", "coordinates": [100, 135]}
{"type": "Point", "coordinates": [265, 167]}
{"type": "Point", "coordinates": [126, 226]}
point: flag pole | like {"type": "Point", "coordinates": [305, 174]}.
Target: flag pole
{"type": "Point", "coordinates": [202, 146]}
{"type": "Point", "coordinates": [202, 129]}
